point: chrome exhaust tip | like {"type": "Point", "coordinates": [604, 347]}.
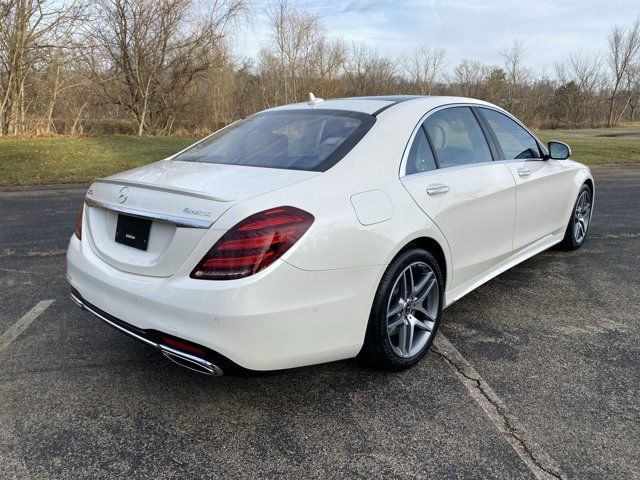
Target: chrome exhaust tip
{"type": "Point", "coordinates": [191, 362]}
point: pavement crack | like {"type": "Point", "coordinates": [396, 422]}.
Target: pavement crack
{"type": "Point", "coordinates": [9, 252]}
{"type": "Point", "coordinates": [24, 272]}
{"type": "Point", "coordinates": [618, 235]}
{"type": "Point", "coordinates": [46, 253]}
{"type": "Point", "coordinates": [540, 464]}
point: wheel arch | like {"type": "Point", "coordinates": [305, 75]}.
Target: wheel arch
{"type": "Point", "coordinates": [371, 349]}
{"type": "Point", "coordinates": [576, 179]}
{"type": "Point", "coordinates": [589, 182]}
{"type": "Point", "coordinates": [433, 247]}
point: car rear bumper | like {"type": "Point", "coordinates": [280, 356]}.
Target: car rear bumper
{"type": "Point", "coordinates": [282, 317]}
{"type": "Point", "coordinates": [202, 363]}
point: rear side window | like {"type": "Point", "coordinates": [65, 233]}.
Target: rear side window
{"type": "Point", "coordinates": [457, 137]}
{"type": "Point", "coordinates": [289, 139]}
{"type": "Point", "coordinates": [515, 141]}
{"type": "Point", "coordinates": [420, 157]}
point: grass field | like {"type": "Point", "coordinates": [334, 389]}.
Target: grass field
{"type": "Point", "coordinates": [27, 161]}
{"type": "Point", "coordinates": [601, 145]}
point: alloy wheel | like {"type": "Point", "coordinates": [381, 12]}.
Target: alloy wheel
{"type": "Point", "coordinates": [412, 309]}
{"type": "Point", "coordinates": [582, 216]}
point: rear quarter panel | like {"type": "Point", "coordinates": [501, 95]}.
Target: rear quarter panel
{"type": "Point", "coordinates": [338, 239]}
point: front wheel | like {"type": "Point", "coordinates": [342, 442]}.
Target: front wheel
{"type": "Point", "coordinates": [406, 312]}
{"type": "Point", "coordinates": [580, 220]}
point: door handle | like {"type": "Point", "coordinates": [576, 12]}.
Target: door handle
{"type": "Point", "coordinates": [437, 188]}
{"type": "Point", "coordinates": [524, 172]}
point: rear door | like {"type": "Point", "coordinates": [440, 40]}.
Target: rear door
{"type": "Point", "coordinates": [450, 173]}
{"type": "Point", "coordinates": [539, 182]}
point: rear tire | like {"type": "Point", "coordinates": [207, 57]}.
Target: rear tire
{"type": "Point", "coordinates": [406, 312]}
{"type": "Point", "coordinates": [578, 227]}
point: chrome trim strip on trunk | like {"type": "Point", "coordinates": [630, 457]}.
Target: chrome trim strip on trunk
{"type": "Point", "coordinates": [193, 363]}
{"type": "Point", "coordinates": [160, 188]}
{"type": "Point", "coordinates": [158, 217]}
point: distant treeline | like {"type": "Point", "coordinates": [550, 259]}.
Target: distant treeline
{"type": "Point", "coordinates": [166, 66]}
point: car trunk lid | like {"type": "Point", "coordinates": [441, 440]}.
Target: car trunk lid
{"type": "Point", "coordinates": [172, 204]}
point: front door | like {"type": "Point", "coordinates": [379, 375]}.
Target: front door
{"type": "Point", "coordinates": [539, 198]}
{"type": "Point", "coordinates": [539, 182]}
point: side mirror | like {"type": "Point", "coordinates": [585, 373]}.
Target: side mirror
{"type": "Point", "coordinates": [559, 150]}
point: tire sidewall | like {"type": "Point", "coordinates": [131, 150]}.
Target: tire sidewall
{"type": "Point", "coordinates": [377, 330]}
{"type": "Point", "coordinates": [572, 222]}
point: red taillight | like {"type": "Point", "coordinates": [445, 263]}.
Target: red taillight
{"type": "Point", "coordinates": [253, 244]}
{"type": "Point", "coordinates": [78, 231]}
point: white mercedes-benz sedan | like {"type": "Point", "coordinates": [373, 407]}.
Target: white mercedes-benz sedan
{"type": "Point", "coordinates": [322, 231]}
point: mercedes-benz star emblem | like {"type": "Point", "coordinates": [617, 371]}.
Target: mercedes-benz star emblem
{"type": "Point", "coordinates": [124, 192]}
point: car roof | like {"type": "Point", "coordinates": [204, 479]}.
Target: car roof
{"type": "Point", "coordinates": [372, 105]}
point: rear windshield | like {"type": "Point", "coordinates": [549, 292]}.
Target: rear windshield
{"type": "Point", "coordinates": [290, 139]}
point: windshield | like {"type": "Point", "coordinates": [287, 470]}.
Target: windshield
{"type": "Point", "coordinates": [290, 139]}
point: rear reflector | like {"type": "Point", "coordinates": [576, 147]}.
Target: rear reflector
{"type": "Point", "coordinates": [253, 244]}
{"type": "Point", "coordinates": [182, 346]}
{"type": "Point", "coordinates": [78, 230]}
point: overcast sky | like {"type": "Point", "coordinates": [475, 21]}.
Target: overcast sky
{"type": "Point", "coordinates": [472, 29]}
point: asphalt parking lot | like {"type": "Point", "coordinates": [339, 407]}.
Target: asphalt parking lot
{"type": "Point", "coordinates": [536, 375]}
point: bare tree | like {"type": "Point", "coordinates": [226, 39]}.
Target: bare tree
{"type": "Point", "coordinates": [469, 76]}
{"type": "Point", "coordinates": [325, 66]}
{"type": "Point", "coordinates": [634, 89]}
{"type": "Point", "coordinates": [580, 78]}
{"type": "Point", "coordinates": [299, 56]}
{"type": "Point", "coordinates": [155, 49]}
{"type": "Point", "coordinates": [516, 75]}
{"type": "Point", "coordinates": [28, 29]}
{"type": "Point", "coordinates": [61, 77]}
{"type": "Point", "coordinates": [294, 36]}
{"type": "Point", "coordinates": [624, 48]}
{"type": "Point", "coordinates": [424, 67]}
{"type": "Point", "coordinates": [369, 73]}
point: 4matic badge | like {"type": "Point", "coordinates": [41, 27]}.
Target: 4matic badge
{"type": "Point", "coordinates": [200, 213]}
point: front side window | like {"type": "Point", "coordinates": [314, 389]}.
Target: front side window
{"type": "Point", "coordinates": [515, 141]}
{"type": "Point", "coordinates": [457, 137]}
{"type": "Point", "coordinates": [289, 139]}
{"type": "Point", "coordinates": [420, 158]}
